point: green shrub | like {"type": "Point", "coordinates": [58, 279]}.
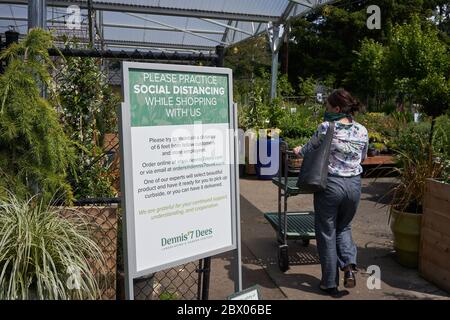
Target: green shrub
{"type": "Point", "coordinates": [381, 127]}
{"type": "Point", "coordinates": [34, 151]}
{"type": "Point", "coordinates": [256, 109]}
{"type": "Point", "coordinates": [88, 109]}
{"type": "Point", "coordinates": [298, 127]}
{"type": "Point", "coordinates": [295, 142]}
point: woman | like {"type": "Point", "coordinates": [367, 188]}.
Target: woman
{"type": "Point", "coordinates": [336, 206]}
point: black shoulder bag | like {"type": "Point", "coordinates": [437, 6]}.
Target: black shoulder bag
{"type": "Point", "coordinates": [314, 170]}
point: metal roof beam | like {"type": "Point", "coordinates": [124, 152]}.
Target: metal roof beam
{"type": "Point", "coordinates": [137, 54]}
{"type": "Point", "coordinates": [129, 26]}
{"type": "Point", "coordinates": [306, 3]}
{"type": "Point", "coordinates": [156, 10]}
{"type": "Point", "coordinates": [140, 44]}
{"type": "Point", "coordinates": [227, 30]}
{"type": "Point", "coordinates": [12, 19]}
{"type": "Point", "coordinates": [287, 12]}
{"type": "Point", "coordinates": [257, 29]}
{"type": "Point", "coordinates": [227, 26]}
{"type": "Point", "coordinates": [234, 30]}
{"type": "Point", "coordinates": [176, 28]}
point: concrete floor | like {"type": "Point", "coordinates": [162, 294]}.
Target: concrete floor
{"type": "Point", "coordinates": [259, 251]}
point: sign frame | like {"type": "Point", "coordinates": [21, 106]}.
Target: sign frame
{"type": "Point", "coordinates": [246, 291]}
{"type": "Point", "coordinates": [128, 230]}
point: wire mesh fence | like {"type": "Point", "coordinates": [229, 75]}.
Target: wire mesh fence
{"type": "Point", "coordinates": [102, 215]}
{"type": "Point", "coordinates": [180, 283]}
{"type": "Point", "coordinates": [184, 282]}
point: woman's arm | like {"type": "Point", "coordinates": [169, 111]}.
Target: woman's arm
{"type": "Point", "coordinates": [366, 146]}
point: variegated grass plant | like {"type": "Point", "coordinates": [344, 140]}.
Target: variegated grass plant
{"type": "Point", "coordinates": [45, 254]}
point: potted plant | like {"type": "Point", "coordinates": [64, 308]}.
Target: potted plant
{"type": "Point", "coordinates": [296, 130]}
{"type": "Point", "coordinates": [45, 253]}
{"type": "Point", "coordinates": [261, 115]}
{"type": "Point", "coordinates": [294, 163]}
{"type": "Point", "coordinates": [415, 166]}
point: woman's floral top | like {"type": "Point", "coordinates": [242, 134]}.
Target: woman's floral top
{"type": "Point", "coordinates": [348, 148]}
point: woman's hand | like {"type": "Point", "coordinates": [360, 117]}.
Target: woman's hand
{"type": "Point", "coordinates": [297, 151]}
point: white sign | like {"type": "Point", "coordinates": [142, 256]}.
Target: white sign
{"type": "Point", "coordinates": [179, 164]}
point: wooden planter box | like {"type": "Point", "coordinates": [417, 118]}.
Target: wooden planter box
{"type": "Point", "coordinates": [434, 251]}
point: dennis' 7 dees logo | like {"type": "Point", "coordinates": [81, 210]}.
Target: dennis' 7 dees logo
{"type": "Point", "coordinates": [186, 236]}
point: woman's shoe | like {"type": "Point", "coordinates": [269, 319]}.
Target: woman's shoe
{"type": "Point", "coordinates": [349, 279]}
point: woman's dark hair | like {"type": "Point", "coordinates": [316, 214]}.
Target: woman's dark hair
{"type": "Point", "coordinates": [343, 99]}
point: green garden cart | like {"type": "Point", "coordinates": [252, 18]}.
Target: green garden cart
{"type": "Point", "coordinates": [289, 225]}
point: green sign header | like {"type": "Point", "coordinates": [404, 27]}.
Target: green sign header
{"type": "Point", "coordinates": [161, 98]}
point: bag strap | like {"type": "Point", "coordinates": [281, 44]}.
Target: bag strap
{"type": "Point", "coordinates": [332, 126]}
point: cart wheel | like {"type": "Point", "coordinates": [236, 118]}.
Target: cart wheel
{"type": "Point", "coordinates": [283, 258]}
{"type": "Point", "coordinates": [305, 242]}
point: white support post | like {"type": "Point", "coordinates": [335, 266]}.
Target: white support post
{"type": "Point", "coordinates": [275, 32]}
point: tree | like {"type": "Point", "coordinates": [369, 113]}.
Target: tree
{"type": "Point", "coordinates": [418, 63]}
{"type": "Point", "coordinates": [323, 43]}
{"type": "Point", "coordinates": [307, 87]}
{"type": "Point", "coordinates": [248, 60]}
{"type": "Point", "coordinates": [367, 76]}
{"type": "Point", "coordinates": [34, 151]}
{"type": "Point", "coordinates": [248, 57]}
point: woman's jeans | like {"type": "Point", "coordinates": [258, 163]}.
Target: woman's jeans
{"type": "Point", "coordinates": [334, 209]}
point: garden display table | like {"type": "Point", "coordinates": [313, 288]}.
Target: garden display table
{"type": "Point", "coordinates": [379, 166]}
{"type": "Point", "coordinates": [379, 160]}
